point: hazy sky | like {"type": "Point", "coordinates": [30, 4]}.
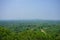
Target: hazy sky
{"type": "Point", "coordinates": [29, 9]}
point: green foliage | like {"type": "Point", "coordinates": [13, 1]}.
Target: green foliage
{"type": "Point", "coordinates": [4, 34]}
{"type": "Point", "coordinates": [29, 31]}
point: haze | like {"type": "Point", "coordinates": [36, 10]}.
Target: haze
{"type": "Point", "coordinates": [29, 9]}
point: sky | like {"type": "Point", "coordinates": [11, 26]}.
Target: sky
{"type": "Point", "coordinates": [29, 9]}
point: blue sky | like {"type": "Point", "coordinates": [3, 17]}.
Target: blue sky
{"type": "Point", "coordinates": [29, 9]}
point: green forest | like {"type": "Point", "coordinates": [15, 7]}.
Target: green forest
{"type": "Point", "coordinates": [29, 30]}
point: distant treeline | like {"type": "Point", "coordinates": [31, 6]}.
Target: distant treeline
{"type": "Point", "coordinates": [10, 30]}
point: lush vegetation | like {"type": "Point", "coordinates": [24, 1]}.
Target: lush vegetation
{"type": "Point", "coordinates": [29, 30]}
